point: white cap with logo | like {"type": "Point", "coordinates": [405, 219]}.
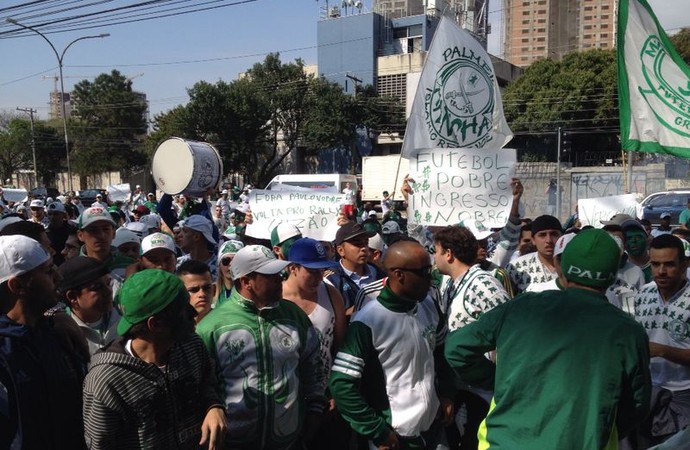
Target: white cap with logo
{"type": "Point", "coordinates": [19, 255]}
{"type": "Point", "coordinates": [255, 258]}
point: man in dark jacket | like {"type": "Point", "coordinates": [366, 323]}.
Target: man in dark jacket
{"type": "Point", "coordinates": [40, 381]}
{"type": "Point", "coordinates": [153, 388]}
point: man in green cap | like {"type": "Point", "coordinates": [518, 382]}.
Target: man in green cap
{"type": "Point", "coordinates": [572, 370]}
{"type": "Point", "coordinates": [154, 386]}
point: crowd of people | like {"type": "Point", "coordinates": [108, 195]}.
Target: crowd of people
{"type": "Point", "coordinates": [162, 323]}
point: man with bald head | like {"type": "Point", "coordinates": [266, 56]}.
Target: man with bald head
{"type": "Point", "coordinates": [389, 347]}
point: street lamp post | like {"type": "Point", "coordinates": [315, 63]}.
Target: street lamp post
{"type": "Point", "coordinates": [60, 57]}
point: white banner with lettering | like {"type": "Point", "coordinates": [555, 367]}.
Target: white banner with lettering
{"type": "Point", "coordinates": [315, 213]}
{"type": "Point", "coordinates": [592, 211]}
{"type": "Point", "coordinates": [454, 185]}
{"type": "Point", "coordinates": [118, 192]}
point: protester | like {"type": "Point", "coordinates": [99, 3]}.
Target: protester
{"type": "Point", "coordinates": [384, 378]}
{"type": "Point", "coordinates": [99, 203]}
{"type": "Point", "coordinates": [349, 201]}
{"type": "Point", "coordinates": [377, 248]}
{"type": "Point", "coordinates": [154, 387]}
{"type": "Point", "coordinates": [282, 237]}
{"type": "Point", "coordinates": [151, 202]}
{"type": "Point", "coordinates": [386, 202]}
{"type": "Point", "coordinates": [196, 278]}
{"type": "Point", "coordinates": [537, 267]}
{"type": "Point", "coordinates": [684, 216]}
{"type": "Point", "coordinates": [353, 272]}
{"type": "Point", "coordinates": [29, 229]}
{"type": "Point", "coordinates": [550, 340]}
{"type": "Point", "coordinates": [85, 287]}
{"type": "Point", "coordinates": [38, 213]}
{"type": "Point", "coordinates": [224, 205]}
{"type": "Point", "coordinates": [72, 245]}
{"type": "Point", "coordinates": [663, 309]}
{"type": "Point", "coordinates": [267, 352]}
{"type": "Point", "coordinates": [158, 252]}
{"type": "Point", "coordinates": [664, 225]}
{"type": "Point", "coordinates": [40, 380]}
{"type": "Point", "coordinates": [58, 230]}
{"type": "Point", "coordinates": [199, 243]}
{"type": "Point", "coordinates": [127, 243]}
{"type": "Point", "coordinates": [390, 232]}
{"type": "Point", "coordinates": [96, 229]}
{"type": "Point", "coordinates": [224, 284]}
{"type": "Point", "coordinates": [323, 304]}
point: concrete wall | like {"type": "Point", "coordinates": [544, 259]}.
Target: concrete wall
{"type": "Point", "coordinates": [587, 182]}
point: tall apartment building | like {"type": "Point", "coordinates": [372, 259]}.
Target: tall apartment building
{"type": "Point", "coordinates": [540, 29]}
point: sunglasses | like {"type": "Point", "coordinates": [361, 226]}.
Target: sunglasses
{"type": "Point", "coordinates": [195, 289]}
{"type": "Point", "coordinates": [226, 261]}
{"type": "Point", "coordinates": [420, 272]}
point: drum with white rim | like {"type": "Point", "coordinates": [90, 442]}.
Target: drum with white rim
{"type": "Point", "coordinates": [182, 166]}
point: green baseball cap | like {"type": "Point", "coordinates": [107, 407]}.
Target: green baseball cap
{"type": "Point", "coordinates": [147, 293]}
{"type": "Point", "coordinates": [591, 258]}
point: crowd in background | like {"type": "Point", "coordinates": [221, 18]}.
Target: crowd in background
{"type": "Point", "coordinates": [162, 323]}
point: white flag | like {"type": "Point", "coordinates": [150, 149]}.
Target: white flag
{"type": "Point", "coordinates": [457, 103]}
{"type": "Point", "coordinates": [653, 85]}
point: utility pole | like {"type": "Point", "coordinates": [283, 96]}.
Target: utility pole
{"type": "Point", "coordinates": [31, 112]}
{"type": "Point", "coordinates": [356, 80]}
{"type": "Point", "coordinates": [558, 174]}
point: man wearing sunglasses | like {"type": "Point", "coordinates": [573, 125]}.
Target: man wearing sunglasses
{"type": "Point", "coordinates": [85, 287]}
{"type": "Point", "coordinates": [391, 345]}
{"type": "Point", "coordinates": [268, 354]}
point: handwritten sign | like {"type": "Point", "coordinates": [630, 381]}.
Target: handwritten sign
{"type": "Point", "coordinates": [454, 185]}
{"type": "Point", "coordinates": [14, 195]}
{"type": "Point", "coordinates": [593, 210]}
{"type": "Point", "coordinates": [314, 212]}
{"type": "Point", "coordinates": [118, 192]}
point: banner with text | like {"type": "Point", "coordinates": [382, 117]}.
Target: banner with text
{"type": "Point", "coordinates": [315, 213]}
{"type": "Point", "coordinates": [14, 195]}
{"type": "Point", "coordinates": [592, 211]}
{"type": "Point", "coordinates": [454, 185]}
{"type": "Point", "coordinates": [118, 192]}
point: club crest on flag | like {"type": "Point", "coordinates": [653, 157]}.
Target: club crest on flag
{"type": "Point", "coordinates": [653, 85]}
{"type": "Point", "coordinates": [665, 99]}
{"type": "Point", "coordinates": [457, 103]}
{"type": "Point", "coordinates": [460, 105]}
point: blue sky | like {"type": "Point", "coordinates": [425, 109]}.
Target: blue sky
{"type": "Point", "coordinates": [174, 53]}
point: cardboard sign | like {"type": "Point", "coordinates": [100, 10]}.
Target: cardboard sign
{"type": "Point", "coordinates": [454, 185]}
{"type": "Point", "coordinates": [593, 210]}
{"type": "Point", "coordinates": [314, 212]}
{"type": "Point", "coordinates": [14, 195]}
{"type": "Point", "coordinates": [118, 192]}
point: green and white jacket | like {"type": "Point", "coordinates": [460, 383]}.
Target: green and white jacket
{"type": "Point", "coordinates": [269, 370]}
{"type": "Point", "coordinates": [388, 352]}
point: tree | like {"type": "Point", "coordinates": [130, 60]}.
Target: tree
{"type": "Point", "coordinates": [681, 41]}
{"type": "Point", "coordinates": [108, 125]}
{"type": "Point", "coordinates": [577, 92]}
{"type": "Point", "coordinates": [15, 154]}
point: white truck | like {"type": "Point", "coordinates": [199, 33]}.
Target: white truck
{"type": "Point", "coordinates": [378, 175]}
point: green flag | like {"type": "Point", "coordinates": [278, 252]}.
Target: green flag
{"type": "Point", "coordinates": [653, 85]}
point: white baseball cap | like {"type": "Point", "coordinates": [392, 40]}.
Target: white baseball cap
{"type": "Point", "coordinates": [57, 207]}
{"type": "Point", "coordinates": [202, 225]}
{"type": "Point", "coordinates": [151, 220]}
{"type": "Point", "coordinates": [19, 255]}
{"type": "Point", "coordinates": [224, 191]}
{"type": "Point", "coordinates": [125, 236]}
{"type": "Point", "coordinates": [157, 240]}
{"type": "Point", "coordinates": [376, 242]}
{"type": "Point", "coordinates": [93, 215]}
{"type": "Point", "coordinates": [562, 242]}
{"type": "Point", "coordinates": [255, 258]}
{"type": "Point", "coordinates": [36, 204]}
{"type": "Point", "coordinates": [140, 229]}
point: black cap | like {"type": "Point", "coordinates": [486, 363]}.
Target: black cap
{"type": "Point", "coordinates": [79, 271]}
{"type": "Point", "coordinates": [546, 222]}
{"type": "Point", "coordinates": [351, 230]}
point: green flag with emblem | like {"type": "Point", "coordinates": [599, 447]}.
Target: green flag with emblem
{"type": "Point", "coordinates": [653, 85]}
